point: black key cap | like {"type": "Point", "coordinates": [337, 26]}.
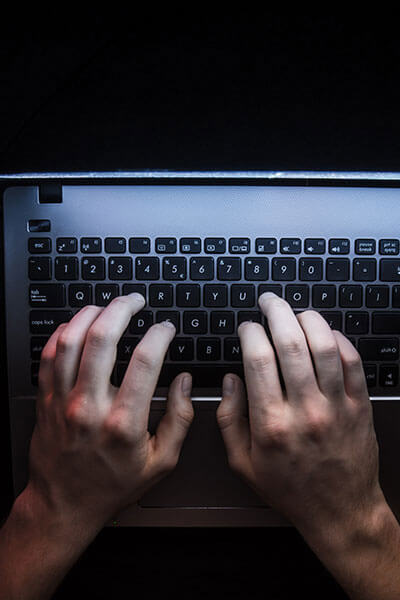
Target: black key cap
{"type": "Point", "coordinates": [386, 322]}
{"type": "Point", "coordinates": [242, 295]}
{"type": "Point", "coordinates": [160, 294]}
{"type": "Point", "coordinates": [126, 346]}
{"type": "Point", "coordinates": [194, 321]}
{"type": "Point", "coordinates": [283, 269]}
{"type": "Point", "coordinates": [79, 294]}
{"type": "Point", "coordinates": [105, 292]}
{"type": "Point", "coordinates": [66, 268]}
{"type": "Point", "coordinates": [334, 319]}
{"type": "Point", "coordinates": [39, 268]}
{"type": "Point", "coordinates": [396, 296]}
{"type": "Point", "coordinates": [350, 296]}
{"type": "Point", "coordinates": [389, 247]}
{"type": "Point", "coordinates": [35, 373]}
{"type": "Point", "coordinates": [314, 246]}
{"type": "Point", "coordinates": [208, 349]}
{"type": "Point", "coordinates": [276, 289]}
{"type": "Point", "coordinates": [139, 245]}
{"type": "Point", "coordinates": [229, 268]}
{"type": "Point", "coordinates": [215, 295]}
{"type": "Point", "coordinates": [47, 321]}
{"type": "Point", "coordinates": [370, 375]}
{"type": "Point", "coordinates": [38, 225]}
{"type": "Point", "coordinates": [266, 245]}
{"type": "Point", "coordinates": [290, 246]}
{"type": "Point", "coordinates": [389, 269]}
{"type": "Point", "coordinates": [93, 268]}
{"type": "Point", "coordinates": [115, 245]}
{"type": "Point", "coordinates": [389, 375]}
{"type": "Point", "coordinates": [166, 245]}
{"type": "Point", "coordinates": [377, 296]}
{"type": "Point", "coordinates": [169, 315]}
{"type": "Point", "coordinates": [365, 246]}
{"type": "Point", "coordinates": [215, 245]}
{"type": "Point", "coordinates": [239, 245]}
{"type": "Point", "coordinates": [256, 269]}
{"type": "Point", "coordinates": [378, 348]}
{"type": "Point", "coordinates": [222, 322]}
{"type": "Point", "coordinates": [91, 245]}
{"type": "Point", "coordinates": [202, 268]}
{"type": "Point", "coordinates": [232, 349]}
{"type": "Point", "coordinates": [141, 322]}
{"type": "Point", "coordinates": [190, 245]}
{"type": "Point", "coordinates": [297, 295]}
{"type": "Point", "coordinates": [174, 268]}
{"type": "Point", "coordinates": [248, 315]}
{"type": "Point", "coordinates": [181, 348]}
{"type": "Point", "coordinates": [203, 376]}
{"type": "Point", "coordinates": [66, 245]}
{"type": "Point", "coordinates": [311, 269]}
{"type": "Point", "coordinates": [364, 269]}
{"type": "Point", "coordinates": [188, 295]}
{"type": "Point", "coordinates": [357, 322]}
{"type": "Point", "coordinates": [37, 345]}
{"type": "Point", "coordinates": [120, 267]}
{"type": "Point", "coordinates": [147, 267]}
{"type": "Point", "coordinates": [129, 288]}
{"type": "Point", "coordinates": [323, 296]}
{"type": "Point", "coordinates": [339, 246]}
{"type": "Point", "coordinates": [47, 295]}
{"type": "Point", "coordinates": [39, 245]}
{"type": "Point", "coordinates": [337, 269]}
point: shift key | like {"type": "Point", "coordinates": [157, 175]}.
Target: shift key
{"type": "Point", "coordinates": [378, 348]}
{"type": "Point", "coordinates": [47, 321]}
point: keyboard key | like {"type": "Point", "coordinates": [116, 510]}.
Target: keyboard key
{"type": "Point", "coordinates": [283, 269]}
{"type": "Point", "coordinates": [188, 295]}
{"type": "Point", "coordinates": [242, 295]}
{"type": "Point", "coordinates": [203, 376]}
{"type": "Point", "coordinates": [388, 375]}
{"type": "Point", "coordinates": [311, 269]}
{"type": "Point", "coordinates": [120, 267]}
{"type": "Point", "coordinates": [389, 247]}
{"type": "Point", "coordinates": [66, 268]}
{"type": "Point", "coordinates": [386, 322]}
{"type": "Point", "coordinates": [126, 346]}
{"type": "Point", "coordinates": [323, 296]}
{"type": "Point", "coordinates": [105, 292]}
{"type": "Point", "coordinates": [215, 295]}
{"type": "Point", "coordinates": [334, 319]}
{"type": "Point", "coordinates": [339, 246]}
{"type": "Point", "coordinates": [169, 315]}
{"type": "Point", "coordinates": [222, 322]}
{"type": "Point", "coordinates": [38, 225]}
{"type": "Point", "coordinates": [50, 295]}
{"type": "Point", "coordinates": [215, 245]}
{"type": "Point", "coordinates": [379, 348]}
{"type": "Point", "coordinates": [229, 268]}
{"type": "Point", "coordinates": [166, 245]}
{"type": "Point", "coordinates": [256, 269]}
{"type": "Point", "coordinates": [181, 348]}
{"type": "Point", "coordinates": [357, 322]}
{"type": "Point", "coordinates": [364, 269]}
{"type": "Point", "coordinates": [194, 322]}
{"type": "Point", "coordinates": [276, 289]}
{"type": "Point", "coordinates": [337, 269]}
{"type": "Point", "coordinates": [290, 246]}
{"type": "Point", "coordinates": [365, 246]}
{"type": "Point", "coordinates": [297, 296]}
{"type": "Point", "coordinates": [190, 245]}
{"type": "Point", "coordinates": [370, 372]}
{"type": "Point", "coordinates": [79, 294]}
{"type": "Point", "coordinates": [39, 268]}
{"type": "Point", "coordinates": [66, 245]}
{"type": "Point", "coordinates": [377, 296]}
{"type": "Point", "coordinates": [350, 296]}
{"type": "Point", "coordinates": [35, 373]}
{"type": "Point", "coordinates": [37, 345]}
{"type": "Point", "coordinates": [249, 315]}
{"type": "Point", "coordinates": [129, 288]}
{"type": "Point", "coordinates": [91, 245]}
{"type": "Point", "coordinates": [139, 245]}
{"type": "Point", "coordinates": [201, 268]}
{"type": "Point", "coordinates": [45, 322]}
{"type": "Point", "coordinates": [39, 245]}
{"type": "Point", "coordinates": [141, 322]}
{"type": "Point", "coordinates": [314, 246]}
{"type": "Point", "coordinates": [174, 268]}
{"type": "Point", "coordinates": [94, 268]}
{"type": "Point", "coordinates": [160, 294]}
{"type": "Point", "coordinates": [115, 245]}
{"type": "Point", "coordinates": [396, 296]}
{"type": "Point", "coordinates": [208, 349]}
{"type": "Point", "coordinates": [266, 245]}
{"type": "Point", "coordinates": [389, 269]}
{"type": "Point", "coordinates": [147, 268]}
{"type": "Point", "coordinates": [239, 245]}
{"type": "Point", "coordinates": [232, 349]}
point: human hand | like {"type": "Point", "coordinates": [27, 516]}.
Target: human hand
{"type": "Point", "coordinates": [311, 452]}
{"type": "Point", "coordinates": [91, 453]}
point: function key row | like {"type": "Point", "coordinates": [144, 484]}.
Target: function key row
{"type": "Point", "coordinates": [219, 245]}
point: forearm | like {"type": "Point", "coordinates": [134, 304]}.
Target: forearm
{"type": "Point", "coordinates": [363, 556]}
{"type": "Point", "coordinates": [38, 548]}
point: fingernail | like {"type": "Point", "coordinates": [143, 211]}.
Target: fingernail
{"type": "Point", "coordinates": [228, 385]}
{"type": "Point", "coordinates": [168, 324]}
{"type": "Point", "coordinates": [187, 385]}
{"type": "Point", "coordinates": [137, 296]}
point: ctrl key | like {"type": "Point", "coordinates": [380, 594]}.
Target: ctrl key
{"type": "Point", "coordinates": [43, 322]}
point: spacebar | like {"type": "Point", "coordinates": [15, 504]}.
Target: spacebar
{"type": "Point", "coordinates": [203, 376]}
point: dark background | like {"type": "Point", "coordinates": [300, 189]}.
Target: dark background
{"type": "Point", "coordinates": [238, 91]}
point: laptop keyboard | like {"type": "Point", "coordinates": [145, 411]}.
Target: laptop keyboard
{"type": "Point", "coordinates": [208, 286]}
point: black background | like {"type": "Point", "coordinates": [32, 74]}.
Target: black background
{"type": "Point", "coordinates": [238, 91]}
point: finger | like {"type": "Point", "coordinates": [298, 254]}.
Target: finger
{"type": "Point", "coordinates": [174, 425]}
{"type": "Point", "coordinates": [99, 352]}
{"type": "Point", "coordinates": [46, 367]}
{"type": "Point", "coordinates": [355, 382]}
{"type": "Point", "coordinates": [70, 344]}
{"type": "Point", "coordinates": [264, 389]}
{"type": "Point", "coordinates": [325, 354]}
{"type": "Point", "coordinates": [140, 379]}
{"type": "Point", "coordinates": [291, 347]}
{"type": "Point", "coordinates": [233, 422]}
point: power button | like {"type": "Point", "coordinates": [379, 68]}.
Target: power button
{"type": "Point", "coordinates": [39, 225]}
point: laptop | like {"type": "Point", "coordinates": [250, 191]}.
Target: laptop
{"type": "Point", "coordinates": [201, 247]}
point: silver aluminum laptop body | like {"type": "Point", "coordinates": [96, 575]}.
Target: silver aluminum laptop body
{"type": "Point", "coordinates": [202, 491]}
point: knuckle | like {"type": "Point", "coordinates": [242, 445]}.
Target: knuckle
{"type": "Point", "coordinates": [327, 350]}
{"type": "Point", "coordinates": [273, 436]}
{"type": "Point", "coordinates": [261, 360]}
{"type": "Point", "coordinates": [293, 346]}
{"type": "Point", "coordinates": [116, 430]}
{"type": "Point", "coordinates": [144, 358]}
{"type": "Point", "coordinates": [353, 360]}
{"type": "Point", "coordinates": [77, 418]}
{"type": "Point", "coordinates": [65, 341]}
{"type": "Point", "coordinates": [317, 425]}
{"type": "Point", "coordinates": [99, 335]}
{"type": "Point", "coordinates": [185, 415]}
{"type": "Point", "coordinates": [168, 463]}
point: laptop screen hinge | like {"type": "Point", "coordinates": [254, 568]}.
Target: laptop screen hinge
{"type": "Point", "coordinates": [50, 193]}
